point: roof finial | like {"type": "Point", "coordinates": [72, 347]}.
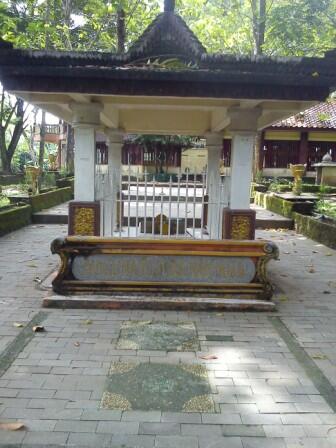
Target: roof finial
{"type": "Point", "coordinates": [169, 5]}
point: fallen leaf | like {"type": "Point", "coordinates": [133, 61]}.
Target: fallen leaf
{"type": "Point", "coordinates": [32, 265]}
{"type": "Point", "coordinates": [315, 251]}
{"type": "Point", "coordinates": [38, 328]}
{"type": "Point", "coordinates": [287, 253]}
{"type": "Point", "coordinates": [11, 426]}
{"type": "Point", "coordinates": [88, 322]}
{"type": "Point", "coordinates": [17, 325]}
{"type": "Point", "coordinates": [209, 357]}
{"type": "Point", "coordinates": [319, 356]}
{"type": "Point", "coordinates": [329, 254]}
{"type": "Point", "coordinates": [283, 298]}
{"type": "Point", "coordinates": [76, 344]}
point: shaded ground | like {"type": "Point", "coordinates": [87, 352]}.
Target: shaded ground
{"type": "Point", "coordinates": [264, 388]}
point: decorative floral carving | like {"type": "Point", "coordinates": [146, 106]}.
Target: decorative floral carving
{"type": "Point", "coordinates": [84, 221]}
{"type": "Point", "coordinates": [241, 227]}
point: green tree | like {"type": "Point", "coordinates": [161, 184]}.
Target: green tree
{"type": "Point", "coordinates": [281, 27]}
{"type": "Point", "coordinates": [13, 119]}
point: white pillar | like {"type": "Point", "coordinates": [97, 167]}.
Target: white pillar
{"type": "Point", "coordinates": [115, 142]}
{"type": "Point", "coordinates": [215, 147]}
{"type": "Point", "coordinates": [86, 118]}
{"type": "Point", "coordinates": [243, 128]}
{"type": "Point", "coordinates": [241, 170]}
{"type": "Point", "coordinates": [84, 164]}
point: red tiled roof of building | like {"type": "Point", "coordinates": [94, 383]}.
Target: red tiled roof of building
{"type": "Point", "coordinates": [321, 116]}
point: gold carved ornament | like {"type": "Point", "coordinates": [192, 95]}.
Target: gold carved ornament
{"type": "Point", "coordinates": [240, 227]}
{"type": "Point", "coordinates": [84, 221]}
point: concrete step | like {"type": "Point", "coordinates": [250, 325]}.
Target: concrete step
{"type": "Point", "coordinates": [262, 223]}
{"type": "Point", "coordinates": [49, 218]}
{"type": "Point", "coordinates": [157, 303]}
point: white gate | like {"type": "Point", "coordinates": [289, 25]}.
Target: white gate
{"type": "Point", "coordinates": [141, 205]}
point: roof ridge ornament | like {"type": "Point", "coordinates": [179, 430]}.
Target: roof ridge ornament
{"type": "Point", "coordinates": [169, 5]}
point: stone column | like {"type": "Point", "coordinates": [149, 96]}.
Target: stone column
{"type": "Point", "coordinates": [239, 220]}
{"type": "Point", "coordinates": [84, 214]}
{"type": "Point", "coordinates": [241, 170]}
{"type": "Point", "coordinates": [215, 148]}
{"type": "Point", "coordinates": [86, 118]}
{"type": "Point", "coordinates": [113, 210]}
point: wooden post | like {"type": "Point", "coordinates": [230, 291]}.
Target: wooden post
{"type": "Point", "coordinates": [303, 148]}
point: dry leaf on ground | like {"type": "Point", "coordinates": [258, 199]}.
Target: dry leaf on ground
{"type": "Point", "coordinates": [88, 322]}
{"type": "Point", "coordinates": [319, 356]}
{"type": "Point", "coordinates": [209, 357]}
{"type": "Point", "coordinates": [18, 325]}
{"type": "Point", "coordinates": [11, 426]}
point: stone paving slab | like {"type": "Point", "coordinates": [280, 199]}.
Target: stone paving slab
{"type": "Point", "coordinates": [263, 395]}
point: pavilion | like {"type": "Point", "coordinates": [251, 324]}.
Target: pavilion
{"type": "Point", "coordinates": [168, 84]}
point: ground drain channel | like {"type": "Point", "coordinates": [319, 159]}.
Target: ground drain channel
{"type": "Point", "coordinates": [21, 340]}
{"type": "Point", "coordinates": [314, 373]}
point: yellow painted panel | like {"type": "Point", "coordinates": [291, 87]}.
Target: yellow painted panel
{"type": "Point", "coordinates": [318, 136]}
{"type": "Point", "coordinates": [165, 121]}
{"type": "Point", "coordinates": [282, 135]}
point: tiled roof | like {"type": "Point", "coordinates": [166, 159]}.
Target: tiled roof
{"type": "Point", "coordinates": [167, 34]}
{"type": "Point", "coordinates": [321, 116]}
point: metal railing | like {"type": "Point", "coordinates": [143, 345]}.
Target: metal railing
{"type": "Point", "coordinates": [137, 205]}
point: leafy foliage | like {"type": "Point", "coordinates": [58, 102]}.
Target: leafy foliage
{"type": "Point", "coordinates": [76, 25]}
{"type": "Point", "coordinates": [292, 27]}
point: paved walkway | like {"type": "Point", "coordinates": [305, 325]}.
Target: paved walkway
{"type": "Point", "coordinates": [252, 379]}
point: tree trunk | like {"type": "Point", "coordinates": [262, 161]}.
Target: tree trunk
{"type": "Point", "coordinates": [259, 28]}
{"type": "Point", "coordinates": [42, 140]}
{"type": "Point", "coordinates": [258, 25]}
{"type": "Point", "coordinates": [7, 152]}
{"type": "Point", "coordinates": [70, 149]}
{"type": "Point", "coordinates": [121, 30]}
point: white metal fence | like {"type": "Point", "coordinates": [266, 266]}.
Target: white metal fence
{"type": "Point", "coordinates": [135, 204]}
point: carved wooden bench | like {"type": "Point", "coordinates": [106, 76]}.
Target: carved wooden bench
{"type": "Point", "coordinates": [225, 269]}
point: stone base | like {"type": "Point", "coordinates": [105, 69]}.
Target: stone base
{"type": "Point", "coordinates": [239, 224]}
{"type": "Point", "coordinates": [158, 303]}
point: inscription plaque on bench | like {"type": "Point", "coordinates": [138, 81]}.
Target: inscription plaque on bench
{"type": "Point", "coordinates": [151, 268]}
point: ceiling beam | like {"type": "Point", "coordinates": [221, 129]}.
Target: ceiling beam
{"type": "Point", "coordinates": [110, 116]}
{"type": "Point", "coordinates": [59, 111]}
{"type": "Point", "coordinates": [219, 120]}
{"type": "Point", "coordinates": [80, 98]}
